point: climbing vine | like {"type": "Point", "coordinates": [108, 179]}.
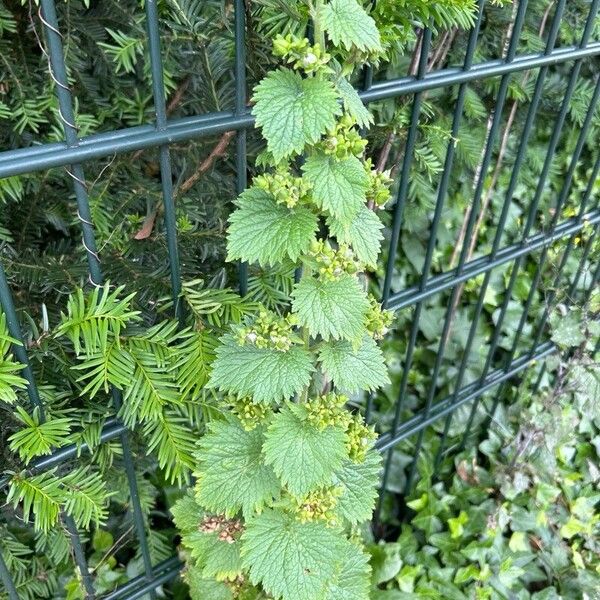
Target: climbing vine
{"type": "Point", "coordinates": [289, 473]}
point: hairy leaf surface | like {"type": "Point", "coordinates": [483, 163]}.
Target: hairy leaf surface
{"type": "Point", "coordinates": [363, 233]}
{"type": "Point", "coordinates": [265, 232]}
{"type": "Point", "coordinates": [293, 111]}
{"type": "Point", "coordinates": [353, 370]}
{"type": "Point", "coordinates": [302, 455]}
{"type": "Point", "coordinates": [292, 560]}
{"type": "Point", "coordinates": [359, 483]}
{"type": "Point", "coordinates": [232, 475]}
{"type": "Point", "coordinates": [351, 578]}
{"type": "Point", "coordinates": [348, 24]}
{"type": "Point", "coordinates": [263, 373]}
{"type": "Point", "coordinates": [331, 308]}
{"type": "Point", "coordinates": [339, 186]}
{"type": "Point", "coordinates": [353, 104]}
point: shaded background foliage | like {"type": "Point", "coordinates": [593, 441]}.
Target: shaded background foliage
{"type": "Point", "coordinates": [105, 46]}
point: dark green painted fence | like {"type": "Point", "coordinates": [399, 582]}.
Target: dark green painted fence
{"type": "Point", "coordinates": [73, 153]}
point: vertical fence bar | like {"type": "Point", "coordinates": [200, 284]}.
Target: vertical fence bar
{"type": "Point", "coordinates": [533, 209]}
{"type": "Point", "coordinates": [6, 301]}
{"type": "Point", "coordinates": [7, 581]}
{"type": "Point", "coordinates": [166, 175]}
{"type": "Point", "coordinates": [59, 75]}
{"type": "Point", "coordinates": [241, 159]}
{"type": "Point", "coordinates": [521, 153]}
{"type": "Point", "coordinates": [518, 263]}
{"type": "Point", "coordinates": [34, 397]}
{"type": "Point", "coordinates": [489, 147]}
{"type": "Point", "coordinates": [558, 210]}
{"type": "Point", "coordinates": [395, 239]}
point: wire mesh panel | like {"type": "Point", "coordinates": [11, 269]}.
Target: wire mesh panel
{"type": "Point", "coordinates": [503, 362]}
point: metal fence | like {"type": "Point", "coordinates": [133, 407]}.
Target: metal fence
{"type": "Point", "coordinates": [74, 152]}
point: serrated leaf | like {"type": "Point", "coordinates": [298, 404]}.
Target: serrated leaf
{"type": "Point", "coordinates": [292, 560]}
{"type": "Point", "coordinates": [265, 232]}
{"type": "Point", "coordinates": [339, 186]}
{"type": "Point", "coordinates": [187, 513]}
{"type": "Point", "coordinates": [263, 373]}
{"type": "Point", "coordinates": [302, 455]}
{"type": "Point", "coordinates": [331, 308]}
{"type": "Point", "coordinates": [204, 589]}
{"type": "Point", "coordinates": [217, 558]}
{"type": "Point", "coordinates": [353, 104]}
{"type": "Point", "coordinates": [348, 24]}
{"type": "Point", "coordinates": [232, 475]}
{"type": "Point", "coordinates": [359, 483]}
{"type": "Point", "coordinates": [293, 111]}
{"type": "Point", "coordinates": [352, 578]}
{"type": "Point", "coordinates": [363, 233]}
{"type": "Point", "coordinates": [352, 369]}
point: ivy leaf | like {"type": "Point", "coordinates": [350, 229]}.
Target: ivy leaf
{"type": "Point", "coordinates": [359, 483]}
{"type": "Point", "coordinates": [292, 560]}
{"type": "Point", "coordinates": [353, 370]}
{"type": "Point", "coordinates": [293, 111]}
{"type": "Point", "coordinates": [363, 233]}
{"type": "Point", "coordinates": [353, 104]}
{"type": "Point", "coordinates": [331, 308]}
{"type": "Point", "coordinates": [351, 580]}
{"type": "Point", "coordinates": [265, 232]}
{"type": "Point", "coordinates": [303, 456]}
{"type": "Point", "coordinates": [232, 475]}
{"type": "Point", "coordinates": [339, 186]}
{"type": "Point", "coordinates": [348, 24]}
{"type": "Point", "coordinates": [263, 373]}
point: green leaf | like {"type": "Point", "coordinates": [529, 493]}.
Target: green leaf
{"type": "Point", "coordinates": [339, 186]}
{"type": "Point", "coordinates": [567, 330]}
{"type": "Point", "coordinates": [293, 111]}
{"type": "Point", "coordinates": [353, 370]}
{"type": "Point", "coordinates": [353, 104]}
{"type": "Point", "coordinates": [218, 558]}
{"type": "Point", "coordinates": [331, 308]}
{"type": "Point", "coordinates": [363, 233]}
{"type": "Point", "coordinates": [231, 474]}
{"type": "Point", "coordinates": [359, 483]}
{"type": "Point", "coordinates": [265, 232]}
{"type": "Point", "coordinates": [86, 497]}
{"type": "Point", "coordinates": [187, 513]}
{"type": "Point", "coordinates": [303, 455]}
{"type": "Point", "coordinates": [202, 588]}
{"type": "Point", "coordinates": [263, 373]}
{"type": "Point", "coordinates": [351, 580]}
{"type": "Point", "coordinates": [292, 560]}
{"type": "Point", "coordinates": [37, 438]}
{"type": "Point", "coordinates": [348, 24]}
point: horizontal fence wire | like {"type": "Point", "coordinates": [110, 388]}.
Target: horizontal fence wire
{"type": "Point", "coordinates": [74, 152]}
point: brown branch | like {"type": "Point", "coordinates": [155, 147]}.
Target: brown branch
{"type": "Point", "coordinates": [496, 175]}
{"type": "Point", "coordinates": [219, 150]}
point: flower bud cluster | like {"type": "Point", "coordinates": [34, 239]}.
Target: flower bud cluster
{"type": "Point", "coordinates": [269, 331]}
{"type": "Point", "coordinates": [251, 414]}
{"type": "Point", "coordinates": [344, 140]}
{"type": "Point", "coordinates": [378, 321]}
{"type": "Point", "coordinates": [319, 505]}
{"type": "Point", "coordinates": [379, 186]}
{"type": "Point", "coordinates": [284, 187]}
{"type": "Point", "coordinates": [228, 530]}
{"type": "Point", "coordinates": [360, 438]}
{"type": "Point", "coordinates": [300, 53]}
{"type": "Point", "coordinates": [328, 410]}
{"type": "Point", "coordinates": [333, 263]}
